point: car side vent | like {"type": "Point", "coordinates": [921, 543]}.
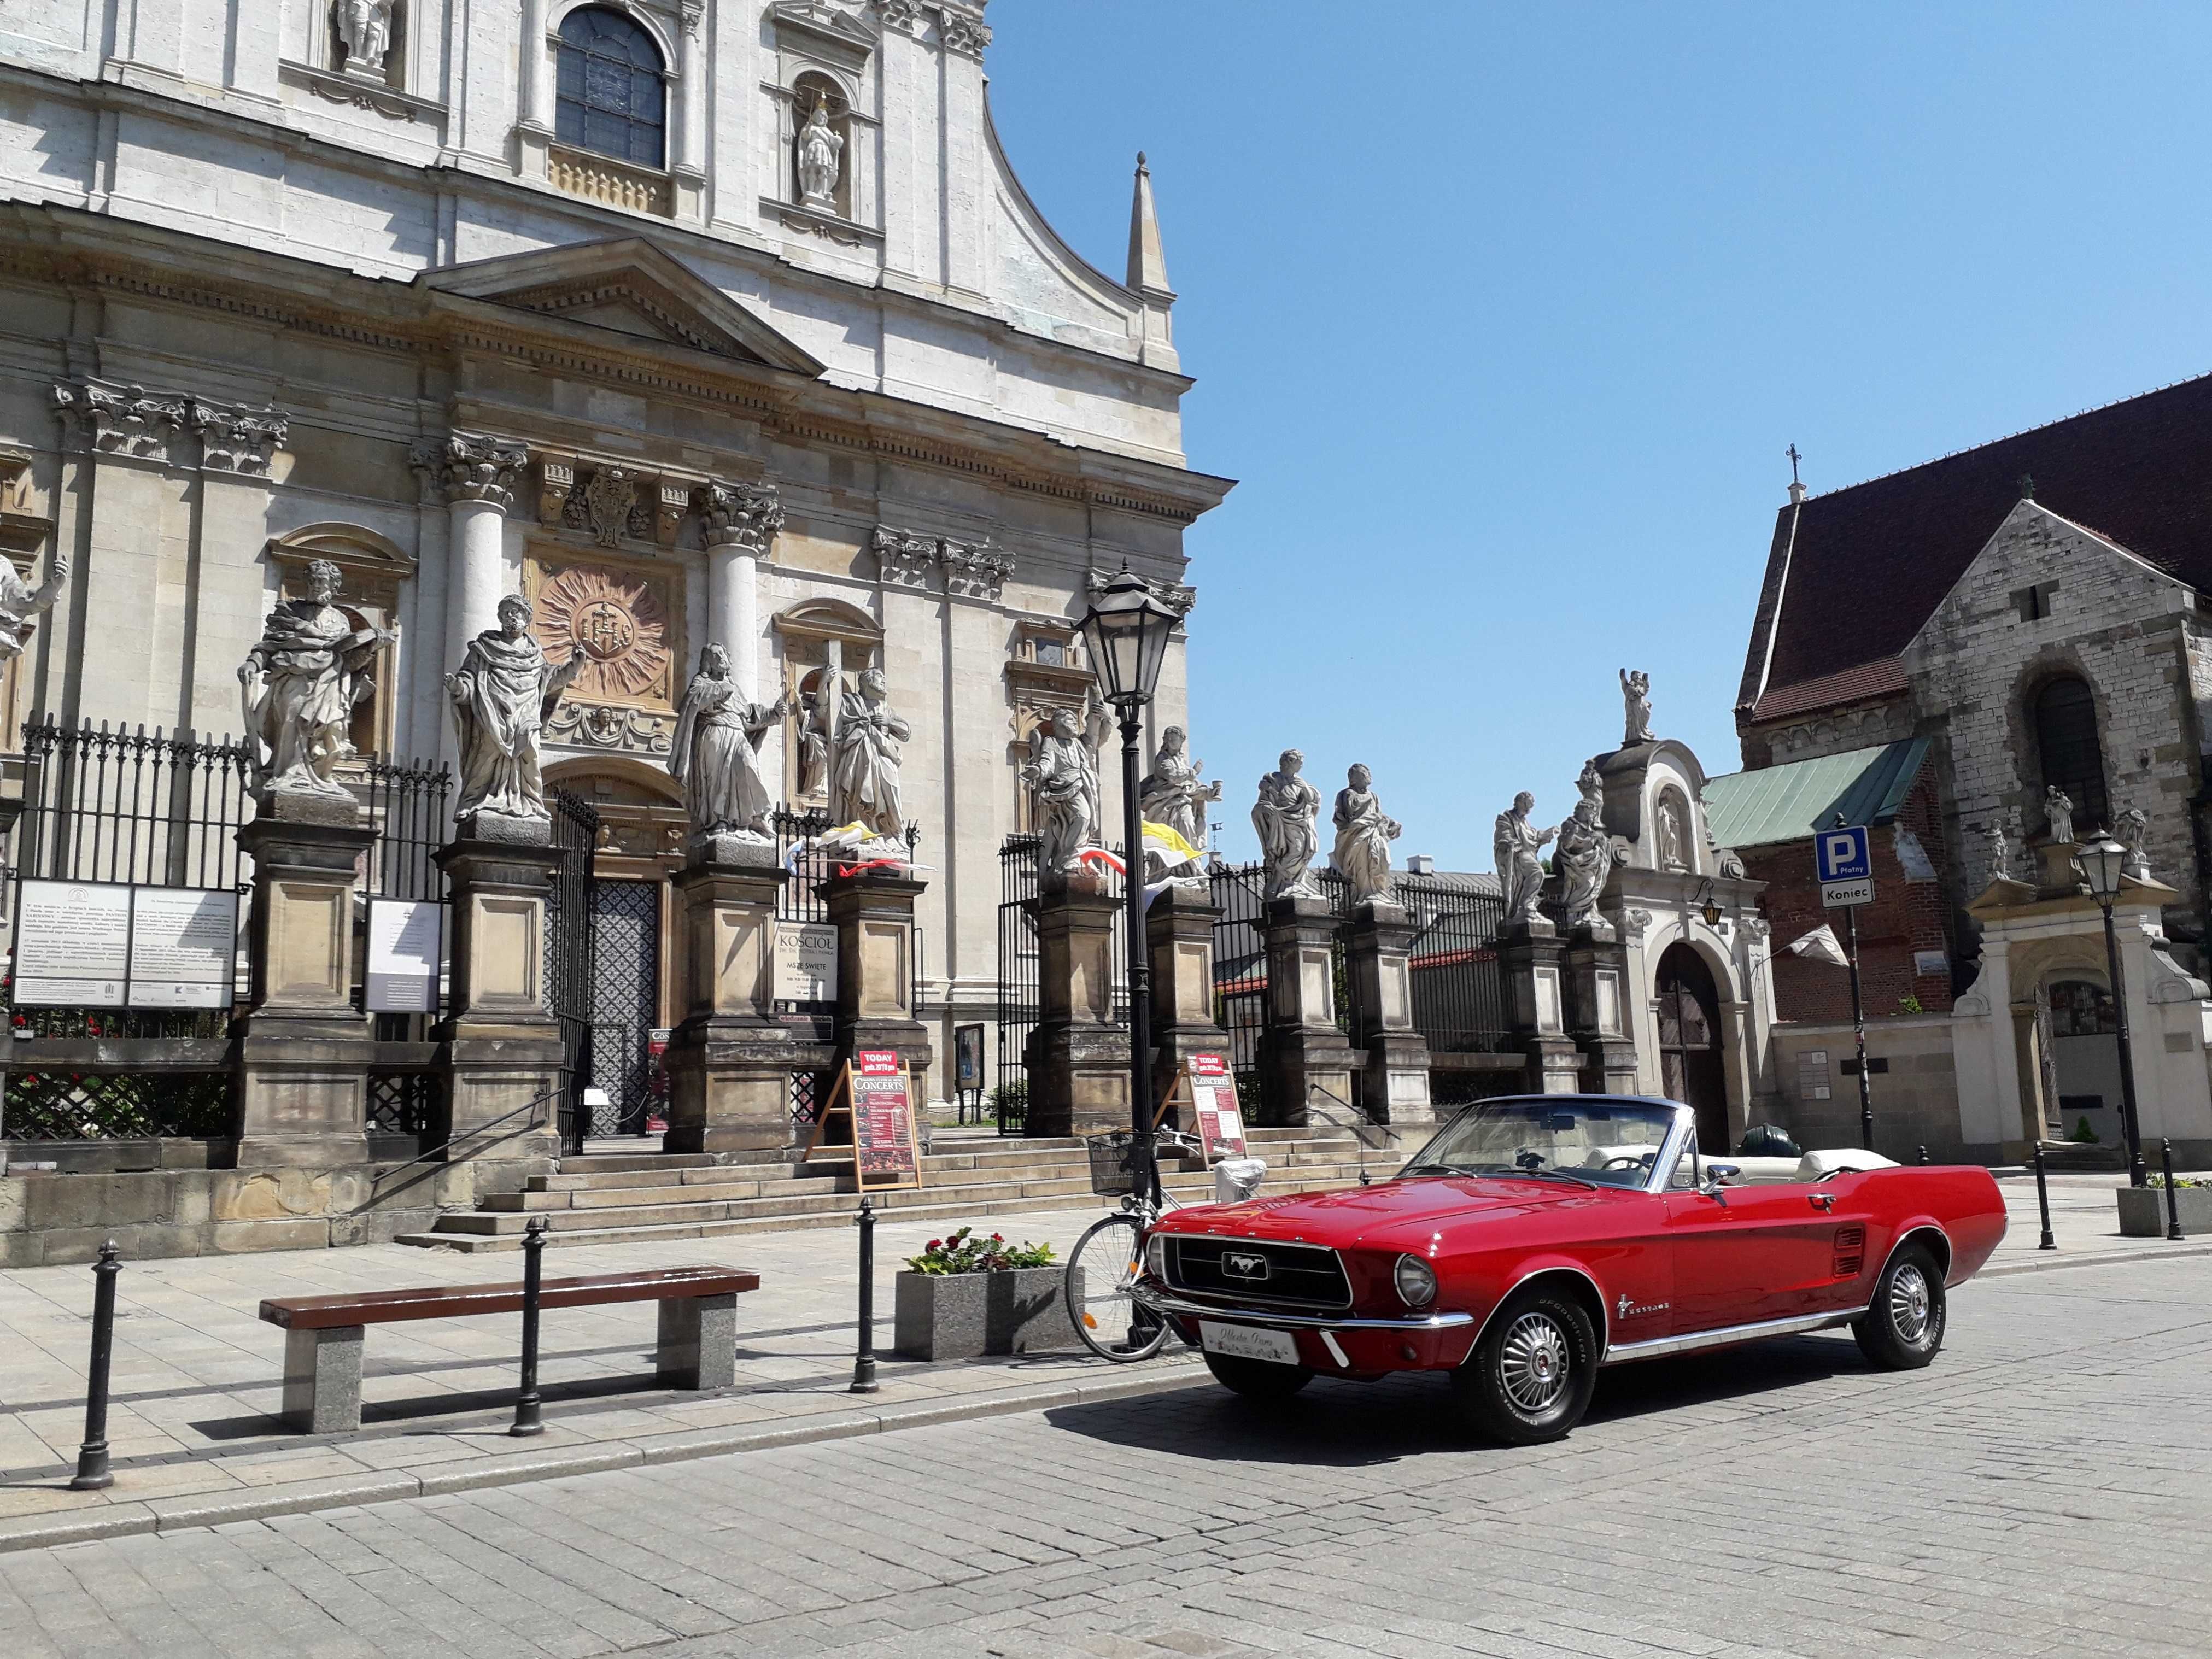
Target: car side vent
{"type": "Point", "coordinates": [1851, 1251]}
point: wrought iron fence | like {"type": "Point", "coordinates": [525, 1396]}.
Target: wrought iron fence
{"type": "Point", "coordinates": [1459, 995]}
{"type": "Point", "coordinates": [407, 805]}
{"type": "Point", "coordinates": [568, 956]}
{"type": "Point", "coordinates": [1019, 1004]}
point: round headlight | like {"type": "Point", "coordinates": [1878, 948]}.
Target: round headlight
{"type": "Point", "coordinates": [1156, 1256]}
{"type": "Point", "coordinates": [1417, 1282]}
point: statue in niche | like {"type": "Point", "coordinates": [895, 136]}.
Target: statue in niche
{"type": "Point", "coordinates": [1584, 859]}
{"type": "Point", "coordinates": [501, 693]}
{"type": "Point", "coordinates": [1063, 778]}
{"type": "Point", "coordinates": [1363, 835]}
{"type": "Point", "coordinates": [2058, 809]}
{"type": "Point", "coordinates": [715, 753]}
{"type": "Point", "coordinates": [1516, 845]}
{"type": "Point", "coordinates": [864, 779]}
{"type": "Point", "coordinates": [1636, 694]}
{"type": "Point", "coordinates": [19, 604]}
{"type": "Point", "coordinates": [2000, 853]}
{"type": "Point", "coordinates": [1175, 793]}
{"type": "Point", "coordinates": [1284, 817]}
{"type": "Point", "coordinates": [299, 685]}
{"type": "Point", "coordinates": [1673, 845]}
{"type": "Point", "coordinates": [814, 734]}
{"type": "Point", "coordinates": [2134, 826]}
{"type": "Point", "coordinates": [819, 147]}
{"type": "Point", "coordinates": [365, 30]}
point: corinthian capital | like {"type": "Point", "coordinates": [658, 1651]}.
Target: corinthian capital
{"type": "Point", "coordinates": [466, 467]}
{"type": "Point", "coordinates": [743, 516]}
{"type": "Point", "coordinates": [237, 438]}
{"type": "Point", "coordinates": [121, 420]}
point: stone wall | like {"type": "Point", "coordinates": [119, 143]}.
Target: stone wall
{"type": "Point", "coordinates": [1916, 1100]}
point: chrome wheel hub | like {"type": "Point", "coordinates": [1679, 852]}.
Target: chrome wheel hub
{"type": "Point", "coordinates": [1912, 1306]}
{"type": "Point", "coordinates": [1533, 1364]}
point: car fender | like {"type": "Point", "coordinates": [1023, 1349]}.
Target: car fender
{"type": "Point", "coordinates": [1535, 1266]}
{"type": "Point", "coordinates": [1918, 1224]}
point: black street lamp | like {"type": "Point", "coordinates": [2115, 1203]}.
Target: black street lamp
{"type": "Point", "coordinates": [2100, 861]}
{"type": "Point", "coordinates": [1127, 632]}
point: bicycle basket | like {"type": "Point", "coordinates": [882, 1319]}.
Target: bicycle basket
{"type": "Point", "coordinates": [1112, 1170]}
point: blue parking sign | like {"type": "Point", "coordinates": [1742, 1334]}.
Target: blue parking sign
{"type": "Point", "coordinates": [1843, 855]}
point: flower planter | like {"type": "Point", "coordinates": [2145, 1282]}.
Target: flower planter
{"type": "Point", "coordinates": [962, 1316]}
{"type": "Point", "coordinates": [2142, 1211]}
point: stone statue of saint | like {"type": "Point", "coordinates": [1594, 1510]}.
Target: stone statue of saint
{"type": "Point", "coordinates": [2059, 810]}
{"type": "Point", "coordinates": [1591, 786]}
{"type": "Point", "coordinates": [1584, 859]}
{"type": "Point", "coordinates": [501, 693]}
{"type": "Point", "coordinates": [864, 779]}
{"type": "Point", "coordinates": [2134, 828]}
{"type": "Point", "coordinates": [819, 147]}
{"type": "Point", "coordinates": [715, 753]}
{"type": "Point", "coordinates": [814, 734]}
{"type": "Point", "coordinates": [2000, 853]}
{"type": "Point", "coordinates": [365, 28]}
{"type": "Point", "coordinates": [19, 604]}
{"type": "Point", "coordinates": [1636, 693]}
{"type": "Point", "coordinates": [299, 685]}
{"type": "Point", "coordinates": [1363, 835]}
{"type": "Point", "coordinates": [1175, 793]}
{"type": "Point", "coordinates": [1673, 850]}
{"type": "Point", "coordinates": [1063, 778]}
{"type": "Point", "coordinates": [1519, 872]}
{"type": "Point", "coordinates": [1284, 814]}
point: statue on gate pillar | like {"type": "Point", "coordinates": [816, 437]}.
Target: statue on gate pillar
{"type": "Point", "coordinates": [19, 604]}
{"type": "Point", "coordinates": [298, 686]}
{"type": "Point", "coordinates": [501, 693]}
{"type": "Point", "coordinates": [715, 753]}
{"type": "Point", "coordinates": [1284, 817]}
{"type": "Point", "coordinates": [1520, 870]}
{"type": "Point", "coordinates": [864, 778]}
{"type": "Point", "coordinates": [1064, 778]}
{"type": "Point", "coordinates": [1363, 835]}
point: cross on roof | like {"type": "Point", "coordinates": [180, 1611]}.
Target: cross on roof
{"type": "Point", "coordinates": [1794, 458]}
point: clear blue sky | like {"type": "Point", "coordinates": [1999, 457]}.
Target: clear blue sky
{"type": "Point", "coordinates": [1504, 315]}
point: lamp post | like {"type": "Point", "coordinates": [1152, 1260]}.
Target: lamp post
{"type": "Point", "coordinates": [1127, 632]}
{"type": "Point", "coordinates": [2099, 862]}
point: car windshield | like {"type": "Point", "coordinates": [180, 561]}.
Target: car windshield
{"type": "Point", "coordinates": [1605, 1143]}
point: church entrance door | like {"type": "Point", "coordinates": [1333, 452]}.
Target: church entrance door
{"type": "Point", "coordinates": [1690, 1064]}
{"type": "Point", "coordinates": [625, 1002]}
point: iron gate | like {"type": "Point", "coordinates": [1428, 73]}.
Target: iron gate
{"type": "Point", "coordinates": [625, 1003]}
{"type": "Point", "coordinates": [568, 956]}
{"type": "Point", "coordinates": [1018, 1003]}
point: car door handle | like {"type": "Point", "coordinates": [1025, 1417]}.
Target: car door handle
{"type": "Point", "coordinates": [1824, 1201]}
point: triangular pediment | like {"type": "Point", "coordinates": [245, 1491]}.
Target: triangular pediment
{"type": "Point", "coordinates": [629, 285]}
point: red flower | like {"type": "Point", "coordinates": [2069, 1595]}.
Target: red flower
{"type": "Point", "coordinates": [998, 1238]}
{"type": "Point", "coordinates": [936, 1244]}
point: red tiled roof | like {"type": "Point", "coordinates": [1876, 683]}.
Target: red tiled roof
{"type": "Point", "coordinates": [1867, 565]}
{"type": "Point", "coordinates": [1856, 684]}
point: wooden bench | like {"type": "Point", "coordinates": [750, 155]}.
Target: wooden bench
{"type": "Point", "coordinates": [697, 1346]}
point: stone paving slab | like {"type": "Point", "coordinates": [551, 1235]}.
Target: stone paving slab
{"type": "Point", "coordinates": [197, 1376]}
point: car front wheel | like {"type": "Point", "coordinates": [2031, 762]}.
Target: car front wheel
{"type": "Point", "coordinates": [1902, 1328]}
{"type": "Point", "coordinates": [1530, 1377]}
{"type": "Point", "coordinates": [1257, 1379]}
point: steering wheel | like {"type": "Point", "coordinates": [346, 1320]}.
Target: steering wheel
{"type": "Point", "coordinates": [1630, 1161]}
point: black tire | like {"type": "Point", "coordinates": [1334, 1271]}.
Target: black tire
{"type": "Point", "coordinates": [1529, 1378]}
{"type": "Point", "coordinates": [1257, 1379]}
{"type": "Point", "coordinates": [1902, 1328]}
{"type": "Point", "coordinates": [1101, 1269]}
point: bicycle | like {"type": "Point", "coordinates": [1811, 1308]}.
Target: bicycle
{"type": "Point", "coordinates": [1108, 1257]}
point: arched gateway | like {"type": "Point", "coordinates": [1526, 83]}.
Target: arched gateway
{"type": "Point", "coordinates": [1690, 1063]}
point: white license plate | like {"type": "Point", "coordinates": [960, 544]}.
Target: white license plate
{"type": "Point", "coordinates": [1248, 1342]}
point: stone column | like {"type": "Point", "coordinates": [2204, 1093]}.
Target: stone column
{"type": "Point", "coordinates": [1076, 1057]}
{"type": "Point", "coordinates": [1596, 986]}
{"type": "Point", "coordinates": [687, 120]}
{"type": "Point", "coordinates": [729, 1061]}
{"type": "Point", "coordinates": [739, 524]}
{"type": "Point", "coordinates": [238, 450]}
{"type": "Point", "coordinates": [303, 1050]}
{"type": "Point", "coordinates": [501, 1045]}
{"type": "Point", "coordinates": [1534, 963]}
{"type": "Point", "coordinates": [1396, 1090]}
{"type": "Point", "coordinates": [1179, 935]}
{"type": "Point", "coordinates": [476, 477]}
{"type": "Point", "coordinates": [535, 131]}
{"type": "Point", "coordinates": [873, 912]}
{"type": "Point", "coordinates": [1302, 1047]}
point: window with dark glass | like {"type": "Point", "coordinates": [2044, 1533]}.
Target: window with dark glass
{"type": "Point", "coordinates": [2067, 745]}
{"type": "Point", "coordinates": [611, 99]}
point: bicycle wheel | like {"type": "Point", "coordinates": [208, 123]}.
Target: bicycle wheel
{"type": "Point", "coordinates": [1104, 1263]}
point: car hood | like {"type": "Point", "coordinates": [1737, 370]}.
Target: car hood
{"type": "Point", "coordinates": [1386, 1212]}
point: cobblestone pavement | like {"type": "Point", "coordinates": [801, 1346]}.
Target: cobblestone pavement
{"type": "Point", "coordinates": [2039, 1490]}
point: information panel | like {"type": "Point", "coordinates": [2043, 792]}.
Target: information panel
{"type": "Point", "coordinates": [72, 944]}
{"type": "Point", "coordinates": [183, 945]}
{"type": "Point", "coordinates": [805, 962]}
{"type": "Point", "coordinates": [882, 1116]}
{"type": "Point", "coordinates": [1213, 1102]}
{"type": "Point", "coordinates": [405, 940]}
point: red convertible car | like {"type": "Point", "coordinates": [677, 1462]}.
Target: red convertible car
{"type": "Point", "coordinates": [1537, 1238]}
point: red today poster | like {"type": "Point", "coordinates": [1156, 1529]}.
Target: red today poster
{"type": "Point", "coordinates": [1213, 1100]}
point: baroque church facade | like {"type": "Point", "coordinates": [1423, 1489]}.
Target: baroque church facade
{"type": "Point", "coordinates": [685, 320]}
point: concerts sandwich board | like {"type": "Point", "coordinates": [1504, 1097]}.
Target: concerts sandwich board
{"type": "Point", "coordinates": [1208, 1087]}
{"type": "Point", "coordinates": [874, 1094]}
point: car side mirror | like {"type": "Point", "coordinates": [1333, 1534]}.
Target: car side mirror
{"type": "Point", "coordinates": [1716, 1177]}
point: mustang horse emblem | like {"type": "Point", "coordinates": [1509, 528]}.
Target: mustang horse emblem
{"type": "Point", "coordinates": [1238, 1264]}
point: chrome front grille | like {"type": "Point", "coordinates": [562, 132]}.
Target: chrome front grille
{"type": "Point", "coordinates": [1263, 1271]}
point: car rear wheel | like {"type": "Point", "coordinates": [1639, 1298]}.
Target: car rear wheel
{"type": "Point", "coordinates": [1530, 1375]}
{"type": "Point", "coordinates": [1903, 1327]}
{"type": "Point", "coordinates": [1257, 1379]}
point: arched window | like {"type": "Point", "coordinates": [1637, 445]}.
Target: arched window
{"type": "Point", "coordinates": [2067, 746]}
{"type": "Point", "coordinates": [610, 99]}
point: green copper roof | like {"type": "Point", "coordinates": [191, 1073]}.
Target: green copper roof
{"type": "Point", "coordinates": [1787, 803]}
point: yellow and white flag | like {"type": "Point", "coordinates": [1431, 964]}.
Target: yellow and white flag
{"type": "Point", "coordinates": [1163, 842]}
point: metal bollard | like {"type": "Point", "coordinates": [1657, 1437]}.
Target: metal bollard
{"type": "Point", "coordinates": [864, 1363]}
{"type": "Point", "coordinates": [526, 1403]}
{"type": "Point", "coordinates": [92, 1470]}
{"type": "Point", "coordinates": [2043, 1200]}
{"type": "Point", "coordinates": [2173, 1203]}
{"type": "Point", "coordinates": [1924, 1158]}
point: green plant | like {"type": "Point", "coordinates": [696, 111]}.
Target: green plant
{"type": "Point", "coordinates": [1016, 1093]}
{"type": "Point", "coordinates": [1909, 1004]}
{"type": "Point", "coordinates": [963, 1253]}
{"type": "Point", "coordinates": [2159, 1180]}
{"type": "Point", "coordinates": [2083, 1133]}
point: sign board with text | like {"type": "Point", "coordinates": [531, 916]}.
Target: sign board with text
{"type": "Point", "coordinates": [1220, 1125]}
{"type": "Point", "coordinates": [874, 1095]}
{"type": "Point", "coordinates": [1843, 859]}
{"type": "Point", "coordinates": [111, 945]}
{"type": "Point", "coordinates": [805, 962]}
{"type": "Point", "coordinates": [405, 938]}
{"type": "Point", "coordinates": [183, 947]}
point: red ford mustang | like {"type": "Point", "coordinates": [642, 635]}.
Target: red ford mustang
{"type": "Point", "coordinates": [1537, 1238]}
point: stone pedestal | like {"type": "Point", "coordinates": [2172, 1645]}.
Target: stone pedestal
{"type": "Point", "coordinates": [1078, 1058]}
{"type": "Point", "coordinates": [303, 1048]}
{"type": "Point", "coordinates": [1396, 1087]}
{"type": "Point", "coordinates": [1597, 982]}
{"type": "Point", "coordinates": [1302, 1047]}
{"type": "Point", "coordinates": [873, 912]}
{"type": "Point", "coordinates": [1533, 962]}
{"type": "Point", "coordinates": [1179, 942]}
{"type": "Point", "coordinates": [501, 1045]}
{"type": "Point", "coordinates": [729, 1061]}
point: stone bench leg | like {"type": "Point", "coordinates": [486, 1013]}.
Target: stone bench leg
{"type": "Point", "coordinates": [322, 1380]}
{"type": "Point", "coordinates": [698, 1344]}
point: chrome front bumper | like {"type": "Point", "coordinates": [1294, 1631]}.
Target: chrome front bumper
{"type": "Point", "coordinates": [1165, 1302]}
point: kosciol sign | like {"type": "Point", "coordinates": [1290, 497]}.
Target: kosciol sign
{"type": "Point", "coordinates": [1843, 859]}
